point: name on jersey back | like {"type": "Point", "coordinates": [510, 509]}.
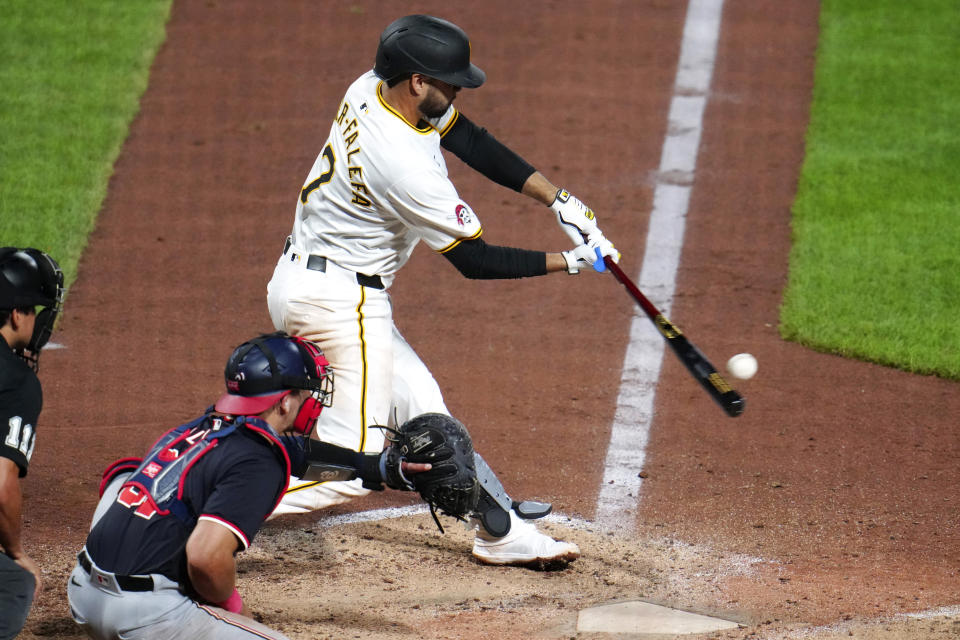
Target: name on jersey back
{"type": "Point", "coordinates": [350, 134]}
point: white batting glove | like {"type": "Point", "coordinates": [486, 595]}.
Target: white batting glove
{"type": "Point", "coordinates": [581, 257]}
{"type": "Point", "coordinates": [598, 241]}
{"type": "Point", "coordinates": [575, 218]}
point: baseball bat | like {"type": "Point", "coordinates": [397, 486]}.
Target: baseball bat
{"type": "Point", "coordinates": [693, 359]}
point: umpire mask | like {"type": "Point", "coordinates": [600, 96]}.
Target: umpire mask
{"type": "Point", "coordinates": [31, 278]}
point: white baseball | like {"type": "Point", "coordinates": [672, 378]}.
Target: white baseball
{"type": "Point", "coordinates": [742, 366]}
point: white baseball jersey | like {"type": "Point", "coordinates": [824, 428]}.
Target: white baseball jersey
{"type": "Point", "coordinates": [379, 186]}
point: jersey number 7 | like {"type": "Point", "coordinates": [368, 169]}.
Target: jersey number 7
{"type": "Point", "coordinates": [324, 177]}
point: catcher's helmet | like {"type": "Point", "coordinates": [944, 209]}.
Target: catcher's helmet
{"type": "Point", "coordinates": [31, 278]}
{"type": "Point", "coordinates": [263, 370]}
{"type": "Point", "coordinates": [427, 45]}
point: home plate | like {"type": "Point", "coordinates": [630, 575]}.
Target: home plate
{"type": "Point", "coordinates": [643, 617]}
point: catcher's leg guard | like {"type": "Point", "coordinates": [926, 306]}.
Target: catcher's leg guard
{"type": "Point", "coordinates": [531, 510]}
{"type": "Point", "coordinates": [494, 505]}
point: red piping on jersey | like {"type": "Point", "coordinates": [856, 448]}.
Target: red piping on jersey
{"type": "Point", "coordinates": [249, 425]}
{"type": "Point", "coordinates": [286, 457]}
{"type": "Point", "coordinates": [233, 528]}
{"type": "Point", "coordinates": [183, 436]}
{"type": "Point", "coordinates": [162, 436]}
{"type": "Point", "coordinates": [186, 469]}
{"type": "Point", "coordinates": [117, 467]}
{"type": "Point", "coordinates": [456, 242]}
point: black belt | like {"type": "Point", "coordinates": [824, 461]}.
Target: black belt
{"type": "Point", "coordinates": [319, 263]}
{"type": "Point", "coordinates": [127, 583]}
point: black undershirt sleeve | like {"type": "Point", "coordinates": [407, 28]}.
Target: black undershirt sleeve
{"type": "Point", "coordinates": [478, 260]}
{"type": "Point", "coordinates": [484, 153]}
{"type": "Point", "coordinates": [305, 452]}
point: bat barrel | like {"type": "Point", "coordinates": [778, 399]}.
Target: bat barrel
{"type": "Point", "coordinates": [696, 363]}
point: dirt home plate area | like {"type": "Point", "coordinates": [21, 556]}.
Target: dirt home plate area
{"type": "Point", "coordinates": [829, 509]}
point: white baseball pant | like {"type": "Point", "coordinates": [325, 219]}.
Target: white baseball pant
{"type": "Point", "coordinates": [378, 378]}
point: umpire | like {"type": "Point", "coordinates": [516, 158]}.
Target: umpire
{"type": "Point", "coordinates": [29, 279]}
{"type": "Point", "coordinates": [159, 561]}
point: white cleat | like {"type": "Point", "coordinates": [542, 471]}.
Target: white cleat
{"type": "Point", "coordinates": [524, 545]}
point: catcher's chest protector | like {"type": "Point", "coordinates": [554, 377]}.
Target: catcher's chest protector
{"type": "Point", "coordinates": [156, 487]}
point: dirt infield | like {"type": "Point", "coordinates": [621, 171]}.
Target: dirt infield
{"type": "Point", "coordinates": [827, 510]}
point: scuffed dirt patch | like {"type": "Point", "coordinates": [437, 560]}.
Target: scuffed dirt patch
{"type": "Point", "coordinates": [400, 578]}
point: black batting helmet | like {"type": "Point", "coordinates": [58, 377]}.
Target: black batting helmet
{"type": "Point", "coordinates": [428, 45]}
{"type": "Point", "coordinates": [263, 370]}
{"type": "Point", "coordinates": [31, 278]}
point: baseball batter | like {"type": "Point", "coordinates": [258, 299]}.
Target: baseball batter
{"type": "Point", "coordinates": [378, 187]}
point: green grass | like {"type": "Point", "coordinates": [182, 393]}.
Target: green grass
{"type": "Point", "coordinates": [875, 265]}
{"type": "Point", "coordinates": [71, 76]}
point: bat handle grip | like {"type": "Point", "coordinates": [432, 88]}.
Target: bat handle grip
{"type": "Point", "coordinates": [599, 265]}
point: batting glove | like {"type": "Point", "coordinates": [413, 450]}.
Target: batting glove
{"type": "Point", "coordinates": [575, 218]}
{"type": "Point", "coordinates": [596, 241]}
{"type": "Point", "coordinates": [581, 257]}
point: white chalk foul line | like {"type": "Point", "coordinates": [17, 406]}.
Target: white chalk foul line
{"type": "Point", "coordinates": [620, 491]}
{"type": "Point", "coordinates": [376, 515]}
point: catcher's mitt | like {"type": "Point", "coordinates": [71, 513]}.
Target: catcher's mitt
{"type": "Point", "coordinates": [451, 485]}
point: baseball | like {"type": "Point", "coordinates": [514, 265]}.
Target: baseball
{"type": "Point", "coordinates": [742, 366]}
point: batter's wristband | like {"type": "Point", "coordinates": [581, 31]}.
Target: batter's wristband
{"type": "Point", "coordinates": [233, 604]}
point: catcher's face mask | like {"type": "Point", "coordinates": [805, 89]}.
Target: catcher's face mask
{"type": "Point", "coordinates": [319, 383]}
{"type": "Point", "coordinates": [264, 370]}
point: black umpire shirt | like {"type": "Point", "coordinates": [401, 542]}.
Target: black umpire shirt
{"type": "Point", "coordinates": [237, 484]}
{"type": "Point", "coordinates": [21, 399]}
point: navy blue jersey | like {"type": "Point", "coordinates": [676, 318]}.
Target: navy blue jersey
{"type": "Point", "coordinates": [236, 483]}
{"type": "Point", "coordinates": [21, 399]}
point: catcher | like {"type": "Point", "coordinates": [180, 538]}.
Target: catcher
{"type": "Point", "coordinates": [159, 561]}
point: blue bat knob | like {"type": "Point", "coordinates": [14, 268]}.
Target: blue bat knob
{"type": "Point", "coordinates": [599, 265]}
